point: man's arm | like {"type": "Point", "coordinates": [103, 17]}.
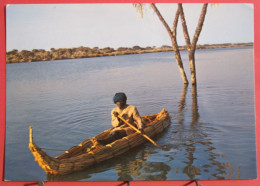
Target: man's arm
{"type": "Point", "coordinates": [138, 119]}
{"type": "Point", "coordinates": [114, 119]}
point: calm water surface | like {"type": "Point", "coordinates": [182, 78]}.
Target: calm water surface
{"type": "Point", "coordinates": [212, 134]}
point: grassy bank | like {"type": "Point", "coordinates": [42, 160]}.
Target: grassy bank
{"type": "Point", "coordinates": [16, 56]}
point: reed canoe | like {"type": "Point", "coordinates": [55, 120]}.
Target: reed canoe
{"type": "Point", "coordinates": [82, 156]}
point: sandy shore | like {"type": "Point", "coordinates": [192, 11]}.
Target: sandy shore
{"type": "Point", "coordinates": [16, 56]}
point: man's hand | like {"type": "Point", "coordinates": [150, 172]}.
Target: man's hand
{"type": "Point", "coordinates": [116, 114]}
{"type": "Point", "coordinates": [142, 130]}
{"type": "Point", "coordinates": [119, 120]}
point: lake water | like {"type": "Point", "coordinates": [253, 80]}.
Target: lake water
{"type": "Point", "coordinates": [212, 131]}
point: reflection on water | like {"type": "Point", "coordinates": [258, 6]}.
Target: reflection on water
{"type": "Point", "coordinates": [190, 170]}
{"type": "Point", "coordinates": [190, 145]}
{"type": "Point", "coordinates": [127, 167]}
{"type": "Point", "coordinates": [142, 169]}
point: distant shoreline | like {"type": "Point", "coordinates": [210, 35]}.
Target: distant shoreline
{"type": "Point", "coordinates": [35, 55]}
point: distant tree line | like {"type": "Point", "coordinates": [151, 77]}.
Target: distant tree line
{"type": "Point", "coordinates": [15, 56]}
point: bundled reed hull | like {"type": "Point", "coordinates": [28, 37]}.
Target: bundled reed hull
{"type": "Point", "coordinates": [84, 155]}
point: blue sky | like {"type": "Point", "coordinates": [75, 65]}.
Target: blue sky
{"type": "Point", "coordinates": [115, 25]}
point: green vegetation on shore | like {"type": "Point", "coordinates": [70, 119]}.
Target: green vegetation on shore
{"type": "Point", "coordinates": [16, 56]}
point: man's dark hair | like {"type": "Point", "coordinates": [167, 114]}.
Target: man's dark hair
{"type": "Point", "coordinates": [120, 96]}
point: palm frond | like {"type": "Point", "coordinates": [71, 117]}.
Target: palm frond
{"type": "Point", "coordinates": [140, 8]}
{"type": "Point", "coordinates": [215, 4]}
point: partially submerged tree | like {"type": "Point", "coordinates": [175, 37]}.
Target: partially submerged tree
{"type": "Point", "coordinates": [191, 46]}
{"type": "Point", "coordinates": [173, 36]}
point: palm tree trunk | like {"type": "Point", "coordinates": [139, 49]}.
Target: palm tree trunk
{"type": "Point", "coordinates": [195, 109]}
{"type": "Point", "coordinates": [192, 68]}
{"type": "Point", "coordinates": [174, 42]}
{"type": "Point", "coordinates": [191, 47]}
{"type": "Point", "coordinates": [199, 26]}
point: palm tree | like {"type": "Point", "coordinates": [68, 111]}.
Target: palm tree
{"type": "Point", "coordinates": [173, 36]}
{"type": "Point", "coordinates": [191, 47]}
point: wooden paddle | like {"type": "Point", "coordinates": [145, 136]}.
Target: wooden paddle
{"type": "Point", "coordinates": [144, 135]}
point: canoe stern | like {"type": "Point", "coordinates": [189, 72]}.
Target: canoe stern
{"type": "Point", "coordinates": [47, 163]}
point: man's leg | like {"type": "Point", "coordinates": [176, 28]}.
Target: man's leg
{"type": "Point", "coordinates": [115, 135]}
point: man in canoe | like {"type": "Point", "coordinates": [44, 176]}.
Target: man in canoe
{"type": "Point", "coordinates": [129, 113]}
